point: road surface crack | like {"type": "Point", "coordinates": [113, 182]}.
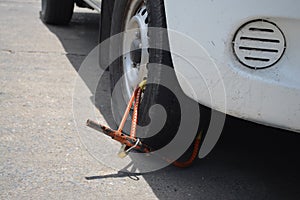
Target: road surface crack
{"type": "Point", "coordinates": [43, 52]}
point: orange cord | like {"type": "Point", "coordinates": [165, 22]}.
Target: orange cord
{"type": "Point", "coordinates": [195, 152]}
{"type": "Point", "coordinates": [136, 99]}
{"type": "Point", "coordinates": [124, 139]}
{"type": "Point", "coordinates": [134, 122]}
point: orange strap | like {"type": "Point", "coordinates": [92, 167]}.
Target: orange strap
{"type": "Point", "coordinates": [195, 152]}
{"type": "Point", "coordinates": [134, 122]}
{"type": "Point", "coordinates": [131, 140]}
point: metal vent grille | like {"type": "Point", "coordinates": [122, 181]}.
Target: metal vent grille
{"type": "Point", "coordinates": [259, 44]}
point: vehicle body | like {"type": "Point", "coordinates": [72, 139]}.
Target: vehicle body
{"type": "Point", "coordinates": [253, 45]}
{"type": "Point", "coordinates": [269, 96]}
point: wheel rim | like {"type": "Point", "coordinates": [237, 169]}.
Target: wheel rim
{"type": "Point", "coordinates": [136, 44]}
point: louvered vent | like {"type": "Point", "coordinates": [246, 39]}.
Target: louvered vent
{"type": "Point", "coordinates": [259, 44]}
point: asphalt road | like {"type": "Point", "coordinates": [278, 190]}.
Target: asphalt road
{"type": "Point", "coordinates": [42, 156]}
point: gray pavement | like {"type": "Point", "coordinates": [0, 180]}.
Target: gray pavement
{"type": "Point", "coordinates": [42, 156]}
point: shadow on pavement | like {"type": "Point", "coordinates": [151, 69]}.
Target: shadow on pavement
{"type": "Point", "coordinates": [249, 162]}
{"type": "Point", "coordinates": [79, 38]}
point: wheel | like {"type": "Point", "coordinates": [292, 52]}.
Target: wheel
{"type": "Point", "coordinates": [57, 12]}
{"type": "Point", "coordinates": [127, 15]}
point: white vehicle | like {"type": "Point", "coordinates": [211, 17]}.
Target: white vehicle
{"type": "Point", "coordinates": [253, 44]}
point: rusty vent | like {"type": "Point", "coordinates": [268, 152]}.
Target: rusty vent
{"type": "Point", "coordinates": [259, 44]}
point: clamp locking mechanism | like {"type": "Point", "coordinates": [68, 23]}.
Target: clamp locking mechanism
{"type": "Point", "coordinates": [129, 142]}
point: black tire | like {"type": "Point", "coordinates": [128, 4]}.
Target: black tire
{"type": "Point", "coordinates": [154, 93]}
{"type": "Point", "coordinates": [57, 12]}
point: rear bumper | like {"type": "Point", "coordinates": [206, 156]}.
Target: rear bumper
{"type": "Point", "coordinates": [268, 96]}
